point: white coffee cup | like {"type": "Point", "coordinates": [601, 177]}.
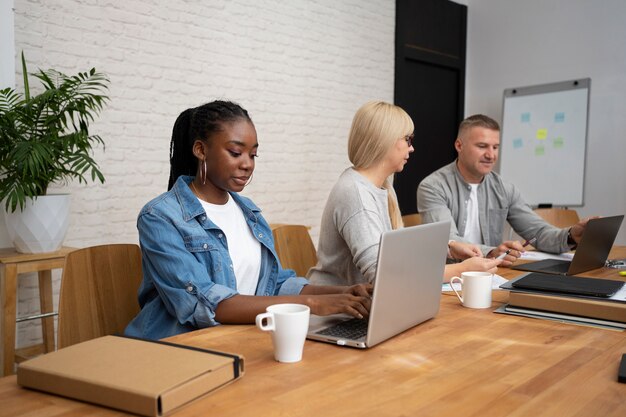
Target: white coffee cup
{"type": "Point", "coordinates": [476, 289]}
{"type": "Point", "coordinates": [289, 324]}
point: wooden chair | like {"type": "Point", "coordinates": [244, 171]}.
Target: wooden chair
{"type": "Point", "coordinates": [294, 247]}
{"type": "Point", "coordinates": [559, 217]}
{"type": "Point", "coordinates": [412, 219]}
{"type": "Point", "coordinates": [98, 292]}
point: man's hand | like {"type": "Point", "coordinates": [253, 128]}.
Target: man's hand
{"type": "Point", "coordinates": [513, 250]}
{"type": "Point", "coordinates": [577, 230]}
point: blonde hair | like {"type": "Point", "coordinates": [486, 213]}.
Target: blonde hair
{"type": "Point", "coordinates": [376, 127]}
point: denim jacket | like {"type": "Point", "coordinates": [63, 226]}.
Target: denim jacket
{"type": "Point", "coordinates": [187, 270]}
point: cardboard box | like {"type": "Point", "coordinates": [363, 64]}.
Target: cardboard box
{"type": "Point", "coordinates": [584, 307]}
{"type": "Point", "coordinates": [140, 376]}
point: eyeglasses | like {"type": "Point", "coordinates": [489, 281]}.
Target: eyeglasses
{"type": "Point", "coordinates": [409, 139]}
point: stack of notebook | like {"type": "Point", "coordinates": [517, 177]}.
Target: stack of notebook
{"type": "Point", "coordinates": [579, 300]}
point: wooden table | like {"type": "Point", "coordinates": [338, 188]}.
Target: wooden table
{"type": "Point", "coordinates": [15, 263]}
{"type": "Point", "coordinates": [462, 363]}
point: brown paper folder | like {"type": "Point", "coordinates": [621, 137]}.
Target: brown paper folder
{"type": "Point", "coordinates": [144, 377]}
{"type": "Point", "coordinates": [606, 310]}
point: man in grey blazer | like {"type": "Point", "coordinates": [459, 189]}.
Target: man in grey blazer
{"type": "Point", "coordinates": [479, 201]}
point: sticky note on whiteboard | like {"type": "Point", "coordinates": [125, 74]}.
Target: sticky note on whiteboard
{"type": "Point", "coordinates": [542, 134]}
{"type": "Point", "coordinates": [558, 142]}
{"type": "Point", "coordinates": [540, 150]}
{"type": "Point", "coordinates": [518, 143]}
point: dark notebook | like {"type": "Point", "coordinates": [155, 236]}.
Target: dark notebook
{"type": "Point", "coordinates": [568, 284]}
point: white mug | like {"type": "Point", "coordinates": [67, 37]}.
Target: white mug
{"type": "Point", "coordinates": [289, 324]}
{"type": "Point", "coordinates": [476, 289]}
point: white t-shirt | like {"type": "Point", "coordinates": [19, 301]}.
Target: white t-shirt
{"type": "Point", "coordinates": [244, 249]}
{"type": "Point", "coordinates": [472, 228]}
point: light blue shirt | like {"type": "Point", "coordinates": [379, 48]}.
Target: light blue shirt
{"type": "Point", "coordinates": [187, 270]}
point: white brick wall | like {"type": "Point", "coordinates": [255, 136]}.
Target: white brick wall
{"type": "Point", "coordinates": [301, 68]}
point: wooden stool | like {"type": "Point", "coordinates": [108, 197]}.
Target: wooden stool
{"type": "Point", "coordinates": [13, 264]}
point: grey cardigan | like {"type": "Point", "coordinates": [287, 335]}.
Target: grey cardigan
{"type": "Point", "coordinates": [444, 195]}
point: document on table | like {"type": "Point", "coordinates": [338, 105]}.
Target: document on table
{"type": "Point", "coordinates": [534, 255]}
{"type": "Point", "coordinates": [496, 281]}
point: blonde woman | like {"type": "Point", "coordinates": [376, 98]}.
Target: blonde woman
{"type": "Point", "coordinates": [363, 204]}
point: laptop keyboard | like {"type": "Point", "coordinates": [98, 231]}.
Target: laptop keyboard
{"type": "Point", "coordinates": [349, 329]}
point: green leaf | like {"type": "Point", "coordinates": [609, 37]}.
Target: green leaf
{"type": "Point", "coordinates": [25, 74]}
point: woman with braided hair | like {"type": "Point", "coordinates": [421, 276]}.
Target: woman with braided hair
{"type": "Point", "coordinates": [208, 254]}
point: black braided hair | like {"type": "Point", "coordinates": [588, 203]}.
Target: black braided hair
{"type": "Point", "coordinates": [198, 123]}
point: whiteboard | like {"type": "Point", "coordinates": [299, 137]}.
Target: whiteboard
{"type": "Point", "coordinates": [544, 139]}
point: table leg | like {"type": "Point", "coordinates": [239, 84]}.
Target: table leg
{"type": "Point", "coordinates": [8, 296]}
{"type": "Point", "coordinates": [45, 303]}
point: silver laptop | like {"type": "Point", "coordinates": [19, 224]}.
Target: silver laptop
{"type": "Point", "coordinates": [407, 289]}
{"type": "Point", "coordinates": [591, 253]}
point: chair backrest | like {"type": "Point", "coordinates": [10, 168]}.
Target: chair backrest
{"type": "Point", "coordinates": [414, 219]}
{"type": "Point", "coordinates": [559, 217]}
{"type": "Point", "coordinates": [294, 247]}
{"type": "Point", "coordinates": [98, 292]}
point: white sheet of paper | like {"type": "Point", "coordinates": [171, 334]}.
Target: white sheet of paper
{"type": "Point", "coordinates": [496, 281]}
{"type": "Point", "coordinates": [534, 255]}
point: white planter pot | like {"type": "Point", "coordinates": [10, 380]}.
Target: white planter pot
{"type": "Point", "coordinates": [41, 226]}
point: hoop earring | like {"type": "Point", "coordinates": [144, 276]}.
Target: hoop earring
{"type": "Point", "coordinates": [249, 180]}
{"type": "Point", "coordinates": [203, 172]}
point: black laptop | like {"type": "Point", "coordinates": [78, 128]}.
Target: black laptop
{"type": "Point", "coordinates": [591, 253]}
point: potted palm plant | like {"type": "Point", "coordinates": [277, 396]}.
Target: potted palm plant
{"type": "Point", "coordinates": [44, 139]}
